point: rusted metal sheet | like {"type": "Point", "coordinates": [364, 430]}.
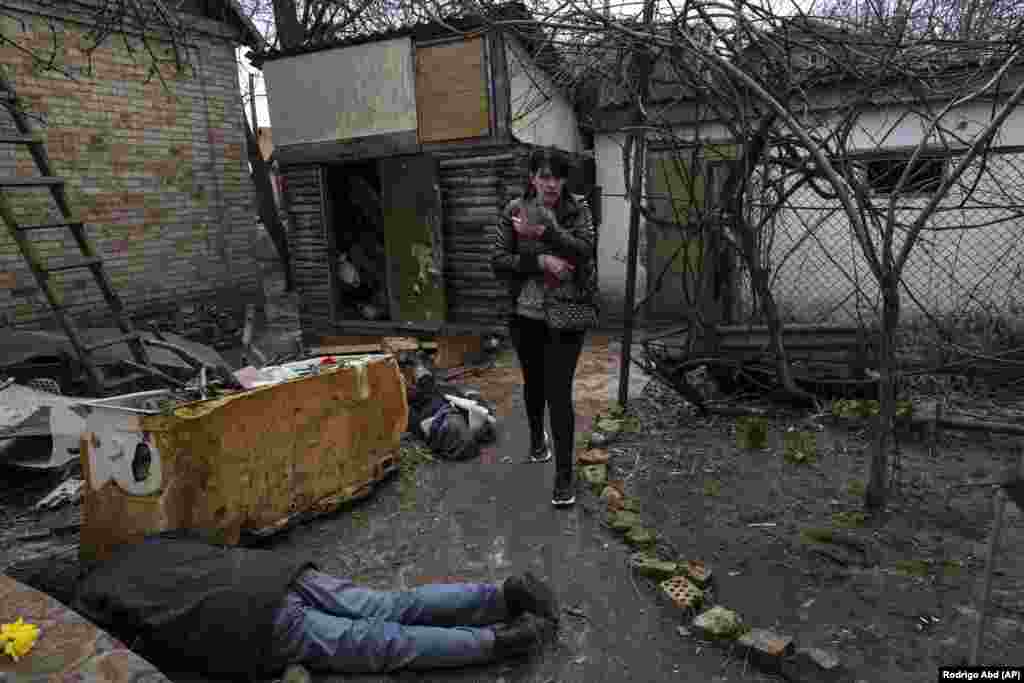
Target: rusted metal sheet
{"type": "Point", "coordinates": [69, 647]}
{"type": "Point", "coordinates": [247, 463]}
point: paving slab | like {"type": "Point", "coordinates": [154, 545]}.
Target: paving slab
{"type": "Point", "coordinates": [69, 647]}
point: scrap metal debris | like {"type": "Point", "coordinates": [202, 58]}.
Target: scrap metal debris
{"type": "Point", "coordinates": [69, 491]}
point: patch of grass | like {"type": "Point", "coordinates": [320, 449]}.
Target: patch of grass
{"type": "Point", "coordinates": [712, 487]}
{"type": "Point", "coordinates": [800, 447]}
{"type": "Point", "coordinates": [853, 408]}
{"type": "Point", "coordinates": [412, 456]}
{"type": "Point", "coordinates": [856, 488]}
{"type": "Point", "coordinates": [817, 535]}
{"type": "Point", "coordinates": [916, 568]}
{"type": "Point", "coordinates": [849, 519]}
{"type": "Point", "coordinates": [360, 518]}
{"type": "Point", "coordinates": [751, 432]}
{"type": "Point", "coordinates": [952, 568]}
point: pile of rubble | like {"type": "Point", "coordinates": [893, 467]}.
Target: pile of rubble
{"type": "Point", "coordinates": [204, 323]}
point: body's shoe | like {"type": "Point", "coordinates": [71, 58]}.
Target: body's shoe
{"type": "Point", "coordinates": [519, 636]}
{"type": "Point", "coordinates": [543, 452]}
{"type": "Point", "coordinates": [527, 593]}
{"type": "Point", "coordinates": [565, 489]}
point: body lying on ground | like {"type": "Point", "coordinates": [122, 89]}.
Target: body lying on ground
{"type": "Point", "coordinates": [185, 603]}
{"type": "Point", "coordinates": [452, 425]}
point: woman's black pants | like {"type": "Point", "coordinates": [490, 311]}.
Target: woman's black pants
{"type": "Point", "coordinates": [548, 358]}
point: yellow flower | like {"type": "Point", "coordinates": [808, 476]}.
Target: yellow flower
{"type": "Point", "coordinates": [18, 638]}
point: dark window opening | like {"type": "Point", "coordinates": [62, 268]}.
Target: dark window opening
{"type": "Point", "coordinates": [925, 177]}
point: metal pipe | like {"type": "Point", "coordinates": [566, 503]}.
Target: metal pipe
{"type": "Point", "coordinates": [993, 544]}
{"type": "Point", "coordinates": [639, 143]}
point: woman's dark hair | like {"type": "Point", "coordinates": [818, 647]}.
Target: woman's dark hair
{"type": "Point", "coordinates": [551, 159]}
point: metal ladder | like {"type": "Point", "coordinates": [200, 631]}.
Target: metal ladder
{"type": "Point", "coordinates": [90, 260]}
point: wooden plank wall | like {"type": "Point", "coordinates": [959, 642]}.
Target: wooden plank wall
{"type": "Point", "coordinates": [475, 185]}
{"type": "Point", "coordinates": [308, 242]}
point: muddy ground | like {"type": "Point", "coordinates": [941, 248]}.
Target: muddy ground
{"type": "Point", "coordinates": [897, 612]}
{"type": "Point", "coordinates": [894, 613]}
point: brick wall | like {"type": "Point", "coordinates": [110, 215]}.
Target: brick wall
{"type": "Point", "coordinates": [157, 170]}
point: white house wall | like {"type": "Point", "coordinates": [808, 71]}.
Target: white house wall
{"type": "Point", "coordinates": [342, 94]}
{"type": "Point", "coordinates": [613, 242]}
{"type": "Point", "coordinates": [819, 278]}
{"type": "Point", "coordinates": [540, 112]}
{"type": "Point", "coordinates": [951, 271]}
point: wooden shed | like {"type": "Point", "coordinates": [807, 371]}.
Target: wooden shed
{"type": "Point", "coordinates": [397, 152]}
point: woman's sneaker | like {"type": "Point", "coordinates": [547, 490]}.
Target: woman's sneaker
{"type": "Point", "coordinates": [564, 494]}
{"type": "Point", "coordinates": [542, 453]}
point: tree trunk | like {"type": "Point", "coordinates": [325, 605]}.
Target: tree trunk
{"type": "Point", "coordinates": [268, 207]}
{"type": "Point", "coordinates": [770, 311]}
{"type": "Point", "coordinates": [878, 479]}
{"type": "Point", "coordinates": [286, 19]}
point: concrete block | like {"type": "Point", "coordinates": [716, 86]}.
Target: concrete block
{"type": "Point", "coordinates": [766, 649]}
{"type": "Point", "coordinates": [641, 537]}
{"type": "Point", "coordinates": [815, 665]}
{"type": "Point", "coordinates": [718, 623]}
{"type": "Point", "coordinates": [698, 572]}
{"type": "Point", "coordinates": [624, 521]}
{"type": "Point", "coordinates": [613, 497]}
{"type": "Point", "coordinates": [594, 456]}
{"type": "Point", "coordinates": [631, 504]}
{"type": "Point", "coordinates": [595, 475]}
{"type": "Point", "coordinates": [653, 568]}
{"type": "Point", "coordinates": [683, 593]}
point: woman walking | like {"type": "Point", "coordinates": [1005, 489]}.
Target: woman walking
{"type": "Point", "coordinates": [545, 248]}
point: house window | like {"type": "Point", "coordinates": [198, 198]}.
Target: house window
{"type": "Point", "coordinates": [924, 178]}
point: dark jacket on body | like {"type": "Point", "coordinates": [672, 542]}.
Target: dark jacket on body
{"type": "Point", "coordinates": [569, 234]}
{"type": "Point", "coordinates": [194, 605]}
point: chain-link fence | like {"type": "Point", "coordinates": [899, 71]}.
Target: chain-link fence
{"type": "Point", "coordinates": [968, 264]}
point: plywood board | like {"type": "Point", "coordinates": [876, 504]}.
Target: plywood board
{"type": "Point", "coordinates": [454, 350]}
{"type": "Point", "coordinates": [452, 100]}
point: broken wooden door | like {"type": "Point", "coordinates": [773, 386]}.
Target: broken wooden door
{"type": "Point", "coordinates": [413, 238]}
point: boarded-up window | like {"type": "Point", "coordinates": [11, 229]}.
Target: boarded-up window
{"type": "Point", "coordinates": [451, 91]}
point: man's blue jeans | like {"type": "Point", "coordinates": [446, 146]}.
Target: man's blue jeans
{"type": "Point", "coordinates": [331, 624]}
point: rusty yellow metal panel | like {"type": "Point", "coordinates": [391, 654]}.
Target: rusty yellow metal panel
{"type": "Point", "coordinates": [247, 462]}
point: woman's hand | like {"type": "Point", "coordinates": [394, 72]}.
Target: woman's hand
{"type": "Point", "coordinates": [556, 267]}
{"type": "Point", "coordinates": [524, 229]}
